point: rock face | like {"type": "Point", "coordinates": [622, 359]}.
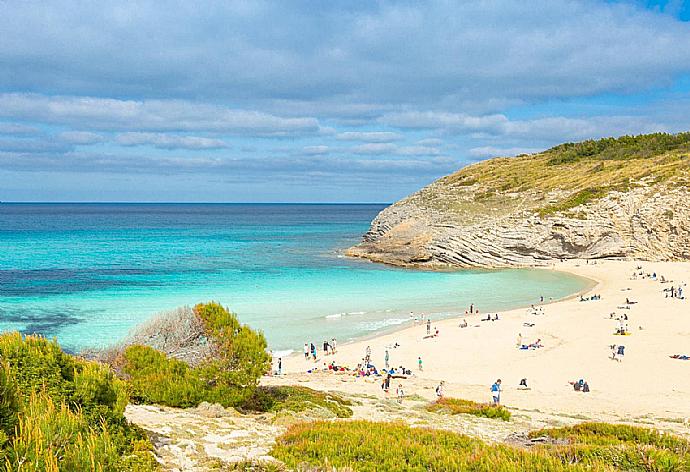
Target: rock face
{"type": "Point", "coordinates": [444, 226]}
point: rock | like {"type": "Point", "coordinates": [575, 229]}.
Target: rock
{"type": "Point", "coordinates": [648, 222]}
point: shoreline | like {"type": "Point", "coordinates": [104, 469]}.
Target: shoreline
{"type": "Point", "coordinates": [576, 337]}
{"type": "Point", "coordinates": [295, 352]}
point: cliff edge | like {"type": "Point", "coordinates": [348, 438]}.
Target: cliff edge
{"type": "Point", "coordinates": [624, 197]}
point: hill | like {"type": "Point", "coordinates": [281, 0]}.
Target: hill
{"type": "Point", "coordinates": [613, 197]}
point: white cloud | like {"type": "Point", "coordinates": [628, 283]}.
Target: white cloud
{"type": "Point", "coordinates": [315, 150]}
{"type": "Point", "coordinates": [149, 115]}
{"type": "Point", "coordinates": [374, 148]}
{"type": "Point", "coordinates": [370, 136]}
{"type": "Point", "coordinates": [80, 137]}
{"type": "Point", "coordinates": [169, 141]}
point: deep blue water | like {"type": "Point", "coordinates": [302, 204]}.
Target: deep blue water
{"type": "Point", "coordinates": [87, 273]}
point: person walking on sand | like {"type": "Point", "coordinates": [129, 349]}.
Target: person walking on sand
{"type": "Point", "coordinates": [496, 392]}
{"type": "Point", "coordinates": [419, 362]}
{"type": "Point", "coordinates": [333, 349]}
{"type": "Point", "coordinates": [428, 327]}
{"type": "Point", "coordinates": [439, 390]}
{"type": "Point", "coordinates": [280, 366]}
{"type": "Point", "coordinates": [400, 392]}
{"type": "Point", "coordinates": [306, 351]}
{"type": "Point", "coordinates": [367, 356]}
{"type": "Point", "coordinates": [519, 340]}
{"type": "Point", "coordinates": [386, 358]}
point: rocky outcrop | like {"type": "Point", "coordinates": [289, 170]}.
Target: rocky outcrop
{"type": "Point", "coordinates": [649, 222]}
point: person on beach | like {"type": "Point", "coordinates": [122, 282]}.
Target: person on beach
{"type": "Point", "coordinates": [386, 358]}
{"type": "Point", "coordinates": [519, 340]}
{"type": "Point", "coordinates": [313, 351]}
{"type": "Point", "coordinates": [333, 349]}
{"type": "Point", "coordinates": [428, 327]}
{"type": "Point", "coordinates": [367, 355]}
{"type": "Point", "coordinates": [496, 392]}
{"type": "Point", "coordinates": [471, 308]}
{"type": "Point", "coordinates": [306, 351]}
{"type": "Point", "coordinates": [439, 389]}
{"type": "Point", "coordinates": [463, 324]}
{"type": "Point", "coordinates": [326, 349]}
{"type": "Point", "coordinates": [280, 366]}
{"type": "Point", "coordinates": [419, 363]}
{"type": "Point", "coordinates": [400, 393]}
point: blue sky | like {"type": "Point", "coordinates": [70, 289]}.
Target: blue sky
{"type": "Point", "coordinates": [318, 101]}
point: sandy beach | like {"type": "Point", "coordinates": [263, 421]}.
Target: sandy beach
{"type": "Point", "coordinates": [576, 337]}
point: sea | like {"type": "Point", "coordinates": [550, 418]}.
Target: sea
{"type": "Point", "coordinates": [87, 274]}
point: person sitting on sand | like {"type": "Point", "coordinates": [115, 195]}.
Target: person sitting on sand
{"type": "Point", "coordinates": [463, 323]}
{"type": "Point", "coordinates": [488, 318]}
{"type": "Point", "coordinates": [523, 385]}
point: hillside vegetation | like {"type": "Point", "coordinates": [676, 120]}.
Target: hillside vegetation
{"type": "Point", "coordinates": [564, 176]}
{"type": "Point", "coordinates": [612, 197]}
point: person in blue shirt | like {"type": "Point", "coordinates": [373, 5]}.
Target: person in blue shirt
{"type": "Point", "coordinates": [496, 392]}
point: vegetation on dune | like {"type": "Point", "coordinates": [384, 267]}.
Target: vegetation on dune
{"type": "Point", "coordinates": [229, 377]}
{"type": "Point", "coordinates": [297, 399]}
{"type": "Point", "coordinates": [562, 177]}
{"type": "Point", "coordinates": [58, 412]}
{"type": "Point", "coordinates": [368, 446]}
{"type": "Point", "coordinates": [455, 406]}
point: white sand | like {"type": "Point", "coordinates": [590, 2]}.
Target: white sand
{"type": "Point", "coordinates": [576, 337]}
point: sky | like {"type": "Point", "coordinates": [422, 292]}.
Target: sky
{"type": "Point", "coordinates": [318, 101]}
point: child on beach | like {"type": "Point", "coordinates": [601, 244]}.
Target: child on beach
{"type": "Point", "coordinates": [419, 362]}
{"type": "Point", "coordinates": [400, 392]}
{"type": "Point", "coordinates": [439, 389]}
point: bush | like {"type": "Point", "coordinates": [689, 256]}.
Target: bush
{"type": "Point", "coordinates": [297, 399]}
{"type": "Point", "coordinates": [68, 413]}
{"type": "Point", "coordinates": [229, 377]}
{"type": "Point", "coordinates": [368, 446]}
{"type": "Point", "coordinates": [622, 148]}
{"type": "Point", "coordinates": [456, 406]}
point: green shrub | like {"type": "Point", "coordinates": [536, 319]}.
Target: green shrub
{"type": "Point", "coordinates": [456, 406]}
{"type": "Point", "coordinates": [296, 398]}
{"type": "Point", "coordinates": [68, 412]}
{"type": "Point", "coordinates": [230, 377]}
{"type": "Point", "coordinates": [155, 378]}
{"type": "Point", "coordinates": [622, 148]}
{"type": "Point", "coordinates": [9, 403]}
{"type": "Point", "coordinates": [368, 446]}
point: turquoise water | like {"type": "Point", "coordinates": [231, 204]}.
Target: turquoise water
{"type": "Point", "coordinates": [87, 273]}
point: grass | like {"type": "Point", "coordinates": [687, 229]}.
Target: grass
{"type": "Point", "coordinates": [296, 399]}
{"type": "Point", "coordinates": [367, 446]}
{"type": "Point", "coordinates": [561, 178]}
{"type": "Point", "coordinates": [455, 406]}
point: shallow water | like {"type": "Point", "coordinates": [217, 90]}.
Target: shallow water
{"type": "Point", "coordinates": [87, 273]}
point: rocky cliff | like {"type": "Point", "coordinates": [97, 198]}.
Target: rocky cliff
{"type": "Point", "coordinates": [625, 197]}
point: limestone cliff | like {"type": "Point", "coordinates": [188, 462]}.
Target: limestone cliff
{"type": "Point", "coordinates": [625, 197]}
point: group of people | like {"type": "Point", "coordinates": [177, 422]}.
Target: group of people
{"type": "Point", "coordinates": [310, 351]}
{"type": "Point", "coordinates": [674, 292]}
{"type": "Point", "coordinates": [590, 298]}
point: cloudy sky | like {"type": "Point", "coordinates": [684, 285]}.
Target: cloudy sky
{"type": "Point", "coordinates": [357, 101]}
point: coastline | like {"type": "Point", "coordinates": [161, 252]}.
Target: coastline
{"type": "Point", "coordinates": [455, 316]}
{"type": "Point", "coordinates": [576, 337]}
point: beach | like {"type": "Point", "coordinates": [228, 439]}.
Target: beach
{"type": "Point", "coordinates": [576, 337]}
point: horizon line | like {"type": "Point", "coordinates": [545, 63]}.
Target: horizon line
{"type": "Point", "coordinates": [182, 203]}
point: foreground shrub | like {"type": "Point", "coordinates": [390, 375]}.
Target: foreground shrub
{"type": "Point", "coordinates": [368, 446]}
{"type": "Point", "coordinates": [455, 406]}
{"type": "Point", "coordinates": [66, 413]}
{"type": "Point", "coordinates": [297, 399]}
{"type": "Point", "coordinates": [229, 376]}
